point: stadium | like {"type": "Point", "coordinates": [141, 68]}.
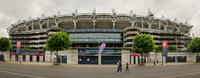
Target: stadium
{"type": "Point", "coordinates": [88, 30]}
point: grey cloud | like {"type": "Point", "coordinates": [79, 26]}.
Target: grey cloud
{"type": "Point", "coordinates": [13, 10]}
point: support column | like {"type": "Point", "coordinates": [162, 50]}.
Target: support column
{"type": "Point", "coordinates": [27, 58]}
{"type": "Point", "coordinates": [114, 24]}
{"type": "Point", "coordinates": [165, 26]}
{"type": "Point", "coordinates": [149, 24]}
{"type": "Point", "coordinates": [32, 25]}
{"type": "Point", "coordinates": [21, 58]}
{"type": "Point", "coordinates": [40, 25]}
{"type": "Point", "coordinates": [125, 56]}
{"type": "Point", "coordinates": [131, 60]}
{"type": "Point", "coordinates": [75, 24]}
{"type": "Point", "coordinates": [94, 24]}
{"type": "Point", "coordinates": [136, 59]}
{"type": "Point", "coordinates": [142, 22]}
{"type": "Point", "coordinates": [26, 27]}
{"type": "Point", "coordinates": [132, 23]}
{"type": "Point", "coordinates": [40, 58]}
{"type": "Point", "coordinates": [159, 24]}
{"type": "Point", "coordinates": [34, 58]}
{"type": "Point", "coordinates": [13, 57]}
{"type": "Point", "coordinates": [47, 22]}
{"type": "Point", "coordinates": [74, 59]}
{"type": "Point", "coordinates": [146, 59]}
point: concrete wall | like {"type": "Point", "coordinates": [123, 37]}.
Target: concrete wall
{"type": "Point", "coordinates": [125, 56]}
{"type": "Point", "coordinates": [72, 56]}
{"type": "Point", "coordinates": [191, 57]}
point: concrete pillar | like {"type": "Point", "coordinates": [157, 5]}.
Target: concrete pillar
{"type": "Point", "coordinates": [41, 59]}
{"type": "Point", "coordinates": [34, 58]}
{"type": "Point", "coordinates": [132, 23]}
{"type": "Point", "coordinates": [132, 59]}
{"type": "Point", "coordinates": [27, 58]}
{"type": "Point", "coordinates": [94, 24]}
{"type": "Point", "coordinates": [48, 57]}
{"type": "Point", "coordinates": [12, 57]}
{"type": "Point", "coordinates": [26, 28]}
{"type": "Point", "coordinates": [47, 22]}
{"type": "Point", "coordinates": [136, 59]}
{"type": "Point", "coordinates": [142, 22]}
{"type": "Point", "coordinates": [40, 25]}
{"type": "Point", "coordinates": [191, 58]}
{"type": "Point", "coordinates": [6, 56]}
{"type": "Point", "coordinates": [75, 24]}
{"type": "Point", "coordinates": [32, 25]}
{"type": "Point", "coordinates": [21, 58]}
{"type": "Point", "coordinates": [159, 24]}
{"type": "Point", "coordinates": [74, 57]}
{"type": "Point", "coordinates": [69, 58]}
{"type": "Point", "coordinates": [113, 24]}
{"type": "Point", "coordinates": [146, 59]}
{"type": "Point", "coordinates": [125, 56]}
{"type": "Point", "coordinates": [149, 24]}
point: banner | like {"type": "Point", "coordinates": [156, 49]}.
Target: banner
{"type": "Point", "coordinates": [103, 45]}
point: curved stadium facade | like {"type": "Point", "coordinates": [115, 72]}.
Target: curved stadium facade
{"type": "Point", "coordinates": [88, 30]}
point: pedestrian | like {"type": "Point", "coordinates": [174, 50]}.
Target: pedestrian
{"type": "Point", "coordinates": [127, 67]}
{"type": "Point", "coordinates": [154, 62]}
{"type": "Point", "coordinates": [119, 68]}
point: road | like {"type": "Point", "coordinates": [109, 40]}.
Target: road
{"type": "Point", "coordinates": [14, 70]}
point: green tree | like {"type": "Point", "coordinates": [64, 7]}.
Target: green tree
{"type": "Point", "coordinates": [158, 48]}
{"type": "Point", "coordinates": [58, 41]}
{"type": "Point", "coordinates": [171, 48]}
{"type": "Point", "coordinates": [194, 46]}
{"type": "Point", "coordinates": [143, 43]}
{"type": "Point", "coordinates": [5, 45]}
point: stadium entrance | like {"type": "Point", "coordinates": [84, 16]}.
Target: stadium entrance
{"type": "Point", "coordinates": [90, 56]}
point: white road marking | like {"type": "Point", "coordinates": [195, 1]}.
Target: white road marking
{"type": "Point", "coordinates": [27, 75]}
{"type": "Point", "coordinates": [175, 76]}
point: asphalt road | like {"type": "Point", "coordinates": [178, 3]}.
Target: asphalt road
{"type": "Point", "coordinates": [12, 70]}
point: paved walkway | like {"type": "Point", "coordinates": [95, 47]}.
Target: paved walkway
{"type": "Point", "coordinates": [47, 70]}
{"type": "Point", "coordinates": [91, 65]}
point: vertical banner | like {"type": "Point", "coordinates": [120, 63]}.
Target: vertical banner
{"type": "Point", "coordinates": [103, 45]}
{"type": "Point", "coordinates": [18, 46]}
{"type": "Point", "coordinates": [165, 48]}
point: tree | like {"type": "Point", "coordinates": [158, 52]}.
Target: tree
{"type": "Point", "coordinates": [194, 46]}
{"type": "Point", "coordinates": [143, 43]}
{"type": "Point", "coordinates": [58, 41]}
{"type": "Point", "coordinates": [171, 48]}
{"type": "Point", "coordinates": [5, 45]}
{"type": "Point", "coordinates": [158, 48]}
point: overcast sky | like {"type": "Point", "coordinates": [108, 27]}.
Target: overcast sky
{"type": "Point", "coordinates": [13, 10]}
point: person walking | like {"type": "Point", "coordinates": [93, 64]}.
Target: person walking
{"type": "Point", "coordinates": [119, 68]}
{"type": "Point", "coordinates": [127, 67]}
{"type": "Point", "coordinates": [154, 62]}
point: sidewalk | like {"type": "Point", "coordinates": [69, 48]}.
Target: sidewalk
{"type": "Point", "coordinates": [91, 65]}
{"type": "Point", "coordinates": [168, 64]}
